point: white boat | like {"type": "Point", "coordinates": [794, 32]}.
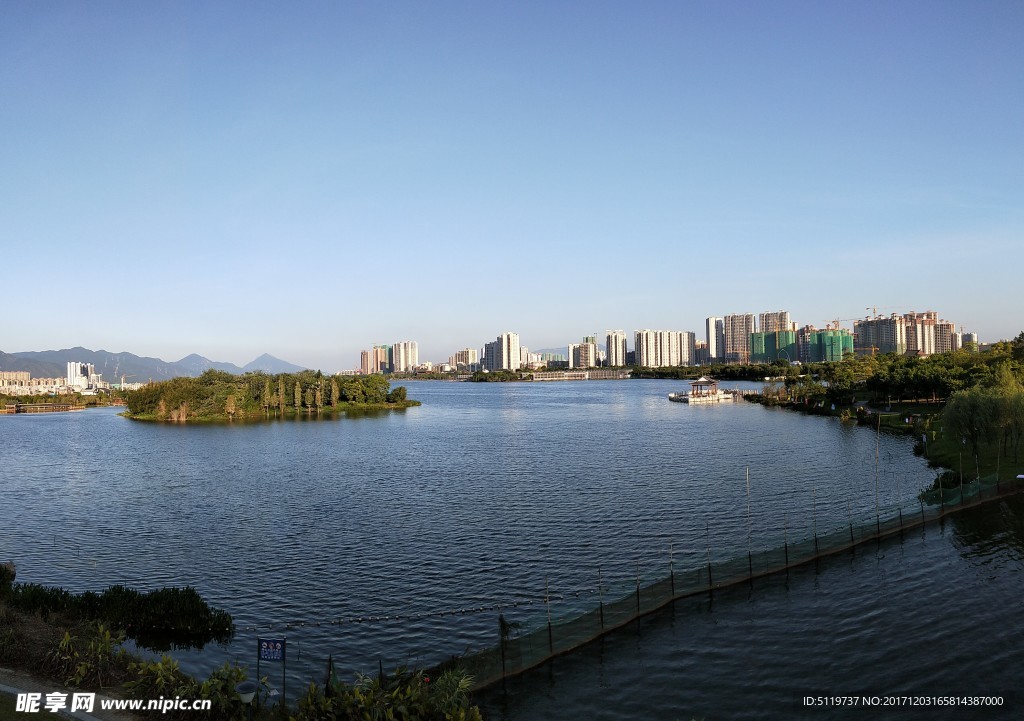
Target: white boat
{"type": "Point", "coordinates": [704, 390]}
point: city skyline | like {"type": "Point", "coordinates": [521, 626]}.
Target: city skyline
{"type": "Point", "coordinates": [308, 181]}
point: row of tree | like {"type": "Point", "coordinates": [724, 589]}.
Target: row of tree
{"type": "Point", "coordinates": [991, 412]}
{"type": "Point", "coordinates": [217, 394]}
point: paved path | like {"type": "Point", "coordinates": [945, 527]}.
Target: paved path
{"type": "Point", "coordinates": [14, 682]}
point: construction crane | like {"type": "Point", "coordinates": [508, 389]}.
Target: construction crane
{"type": "Point", "coordinates": [125, 375]}
{"type": "Point", "coordinates": [874, 309]}
{"type": "Point", "coordinates": [834, 323]}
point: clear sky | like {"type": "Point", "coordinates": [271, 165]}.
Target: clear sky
{"type": "Point", "coordinates": [307, 179]}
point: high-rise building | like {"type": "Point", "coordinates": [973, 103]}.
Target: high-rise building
{"type": "Point", "coordinates": [615, 348]}
{"type": "Point", "coordinates": [700, 353]}
{"type": "Point", "coordinates": [404, 356]}
{"type": "Point", "coordinates": [772, 322]}
{"type": "Point", "coordinates": [687, 348]}
{"type": "Point", "coordinates": [503, 353]}
{"type": "Point", "coordinates": [490, 357]}
{"type": "Point", "coordinates": [583, 355]}
{"type": "Point", "coordinates": [464, 357]}
{"type": "Point", "coordinates": [511, 358]}
{"type": "Point", "coordinates": [738, 328]}
{"type": "Point", "coordinates": [661, 348]}
{"type": "Point", "coordinates": [715, 335]}
{"type": "Point", "coordinates": [921, 332]}
{"type": "Point", "coordinates": [945, 337]}
{"type": "Point", "coordinates": [880, 335]}
{"type": "Point", "coordinates": [773, 346]}
{"type": "Point", "coordinates": [803, 343]}
{"type": "Point", "coordinates": [830, 345]}
{"type": "Point", "coordinates": [82, 375]}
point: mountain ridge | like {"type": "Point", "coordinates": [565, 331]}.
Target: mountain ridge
{"type": "Point", "coordinates": [134, 368]}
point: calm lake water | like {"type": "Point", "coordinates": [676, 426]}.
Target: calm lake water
{"type": "Point", "coordinates": [487, 495]}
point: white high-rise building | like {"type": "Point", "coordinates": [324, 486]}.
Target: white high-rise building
{"type": "Point", "coordinates": [921, 331]}
{"type": "Point", "coordinates": [661, 348]}
{"type": "Point", "coordinates": [715, 334]}
{"type": "Point", "coordinates": [404, 356]}
{"type": "Point", "coordinates": [503, 353]}
{"type": "Point", "coordinates": [615, 348]}
{"type": "Point", "coordinates": [81, 375]}
{"type": "Point", "coordinates": [687, 349]}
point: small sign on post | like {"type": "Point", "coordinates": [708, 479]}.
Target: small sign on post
{"type": "Point", "coordinates": [273, 649]}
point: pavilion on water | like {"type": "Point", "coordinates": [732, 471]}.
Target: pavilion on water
{"type": "Point", "coordinates": [703, 387]}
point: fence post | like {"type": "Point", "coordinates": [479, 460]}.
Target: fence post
{"type": "Point", "coordinates": [785, 539]}
{"type": "Point", "coordinates": [707, 536]}
{"type": "Point", "coordinates": [638, 589]}
{"type": "Point", "coordinates": [547, 602]}
{"type": "Point", "coordinates": [502, 634]}
{"type": "Point", "coordinates": [750, 557]}
{"type": "Point", "coordinates": [671, 571]}
{"type": "Point", "coordinates": [878, 522]}
{"type": "Point", "coordinates": [814, 497]}
{"type": "Point", "coordinates": [600, 596]}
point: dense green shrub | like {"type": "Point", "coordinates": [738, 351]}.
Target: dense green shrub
{"type": "Point", "coordinates": [159, 620]}
{"type": "Point", "coordinates": [95, 658]}
{"type": "Point", "coordinates": [406, 696]}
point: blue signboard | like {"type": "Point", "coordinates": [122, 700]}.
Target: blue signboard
{"type": "Point", "coordinates": [271, 649]}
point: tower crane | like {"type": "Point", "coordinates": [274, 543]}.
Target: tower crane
{"type": "Point", "coordinates": [874, 309]}
{"type": "Point", "coordinates": [834, 323]}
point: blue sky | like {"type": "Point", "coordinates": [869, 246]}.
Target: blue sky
{"type": "Point", "coordinates": [306, 179]}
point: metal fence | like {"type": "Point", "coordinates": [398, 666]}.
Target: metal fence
{"type": "Point", "coordinates": [515, 653]}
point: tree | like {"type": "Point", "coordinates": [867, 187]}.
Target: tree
{"type": "Point", "coordinates": [298, 396]}
{"type": "Point", "coordinates": [1018, 347]}
{"type": "Point", "coordinates": [397, 395]}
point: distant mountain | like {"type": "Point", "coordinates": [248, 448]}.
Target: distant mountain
{"type": "Point", "coordinates": [269, 364]}
{"type": "Point", "coordinates": [38, 368]}
{"type": "Point", "coordinates": [194, 365]}
{"type": "Point", "coordinates": [53, 364]}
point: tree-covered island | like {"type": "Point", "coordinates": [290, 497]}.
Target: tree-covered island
{"type": "Point", "coordinates": [220, 396]}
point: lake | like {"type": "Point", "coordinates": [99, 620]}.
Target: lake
{"type": "Point", "coordinates": [396, 538]}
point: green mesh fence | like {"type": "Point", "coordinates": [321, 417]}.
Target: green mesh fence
{"type": "Point", "coordinates": [621, 605]}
